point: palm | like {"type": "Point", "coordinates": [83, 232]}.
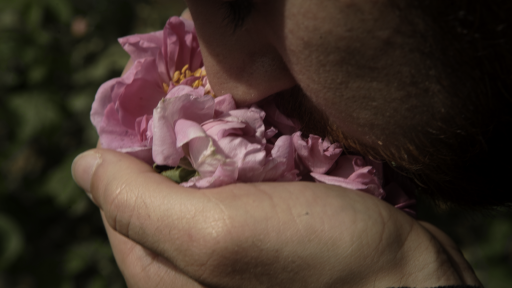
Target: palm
{"type": "Point", "coordinates": [251, 235]}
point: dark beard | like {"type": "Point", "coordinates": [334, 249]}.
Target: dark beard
{"type": "Point", "coordinates": [455, 176]}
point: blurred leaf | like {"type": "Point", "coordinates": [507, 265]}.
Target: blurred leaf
{"type": "Point", "coordinates": [59, 185]}
{"type": "Point", "coordinates": [34, 14]}
{"type": "Point", "coordinates": [36, 74]}
{"type": "Point", "coordinates": [62, 9]}
{"type": "Point", "coordinates": [84, 49]}
{"type": "Point", "coordinates": [36, 112]}
{"type": "Point", "coordinates": [25, 162]}
{"type": "Point", "coordinates": [113, 59]}
{"type": "Point", "coordinates": [8, 19]}
{"type": "Point", "coordinates": [80, 102]}
{"type": "Point", "coordinates": [92, 253]}
{"type": "Point", "coordinates": [11, 241]}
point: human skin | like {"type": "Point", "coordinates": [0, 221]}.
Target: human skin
{"type": "Point", "coordinates": [360, 65]}
{"type": "Point", "coordinates": [265, 234]}
{"type": "Point", "coordinates": [260, 234]}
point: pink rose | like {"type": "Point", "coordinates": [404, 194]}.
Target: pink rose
{"type": "Point", "coordinates": [123, 107]}
{"type": "Point", "coordinates": [163, 111]}
{"type": "Point", "coordinates": [183, 103]}
{"type": "Point", "coordinates": [353, 172]}
{"type": "Point", "coordinates": [226, 149]}
{"type": "Point", "coordinates": [315, 154]}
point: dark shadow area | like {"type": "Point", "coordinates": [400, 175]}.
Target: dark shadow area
{"type": "Point", "coordinates": [53, 57]}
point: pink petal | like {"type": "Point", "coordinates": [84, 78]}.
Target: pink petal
{"type": "Point", "coordinates": [254, 131]}
{"type": "Point", "coordinates": [102, 100]}
{"type": "Point", "coordinates": [362, 179]}
{"type": "Point", "coordinates": [280, 164]}
{"type": "Point", "coordinates": [142, 126]}
{"type": "Point", "coordinates": [346, 165]}
{"type": "Point", "coordinates": [114, 135]}
{"type": "Point", "coordinates": [284, 153]}
{"type": "Point", "coordinates": [141, 46]}
{"type": "Point", "coordinates": [224, 104]}
{"type": "Point", "coordinates": [149, 132]}
{"type": "Point", "coordinates": [187, 130]}
{"type": "Point", "coordinates": [138, 92]}
{"type": "Point", "coordinates": [367, 177]}
{"type": "Point", "coordinates": [250, 157]}
{"type": "Point", "coordinates": [181, 46]}
{"type": "Point", "coordinates": [184, 89]}
{"type": "Point", "coordinates": [271, 132]}
{"type": "Point", "coordinates": [218, 129]}
{"type": "Point", "coordinates": [204, 156]}
{"type": "Point", "coordinates": [338, 181]}
{"type": "Point", "coordinates": [225, 174]}
{"type": "Point", "coordinates": [190, 80]}
{"type": "Point", "coordinates": [317, 155]}
{"type": "Point", "coordinates": [377, 165]}
{"type": "Point", "coordinates": [165, 115]}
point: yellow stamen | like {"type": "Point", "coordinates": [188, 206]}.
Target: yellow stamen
{"type": "Point", "coordinates": [197, 83]}
{"type": "Point", "coordinates": [179, 76]}
{"type": "Point", "coordinates": [166, 87]}
{"type": "Point", "coordinates": [176, 77]}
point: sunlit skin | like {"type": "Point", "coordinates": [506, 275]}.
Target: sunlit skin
{"type": "Point", "coordinates": [275, 234]}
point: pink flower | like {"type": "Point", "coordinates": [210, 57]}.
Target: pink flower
{"type": "Point", "coordinates": [123, 108]}
{"type": "Point", "coordinates": [183, 103]}
{"type": "Point", "coordinates": [315, 154]}
{"type": "Point", "coordinates": [353, 172]}
{"type": "Point", "coordinates": [225, 149]}
{"type": "Point", "coordinates": [163, 111]}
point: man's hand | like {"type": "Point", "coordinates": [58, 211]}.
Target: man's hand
{"type": "Point", "coordinates": [295, 234]}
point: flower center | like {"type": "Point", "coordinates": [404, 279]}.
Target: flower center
{"type": "Point", "coordinates": [185, 73]}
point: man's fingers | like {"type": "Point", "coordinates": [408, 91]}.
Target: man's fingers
{"type": "Point", "coordinates": [142, 267]}
{"type": "Point", "coordinates": [461, 265]}
{"type": "Point", "coordinates": [147, 207]}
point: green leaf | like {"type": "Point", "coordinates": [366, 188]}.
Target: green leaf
{"type": "Point", "coordinates": [113, 59]}
{"type": "Point", "coordinates": [36, 113]}
{"type": "Point", "coordinates": [11, 241]}
{"type": "Point", "coordinates": [179, 174]}
{"type": "Point", "coordinates": [59, 185]}
{"type": "Point", "coordinates": [61, 9]}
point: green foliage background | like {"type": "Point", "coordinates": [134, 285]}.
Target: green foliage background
{"type": "Point", "coordinates": [51, 235]}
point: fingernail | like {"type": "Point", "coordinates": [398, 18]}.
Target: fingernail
{"type": "Point", "coordinates": [83, 168]}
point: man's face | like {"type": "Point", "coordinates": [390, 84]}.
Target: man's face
{"type": "Point", "coordinates": [413, 83]}
{"type": "Point", "coordinates": [361, 62]}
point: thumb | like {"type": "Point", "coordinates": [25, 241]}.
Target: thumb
{"type": "Point", "coordinates": [143, 205]}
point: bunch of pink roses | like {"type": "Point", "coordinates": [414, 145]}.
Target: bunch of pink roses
{"type": "Point", "coordinates": [164, 112]}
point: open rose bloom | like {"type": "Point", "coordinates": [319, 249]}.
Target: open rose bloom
{"type": "Point", "coordinates": [164, 112]}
